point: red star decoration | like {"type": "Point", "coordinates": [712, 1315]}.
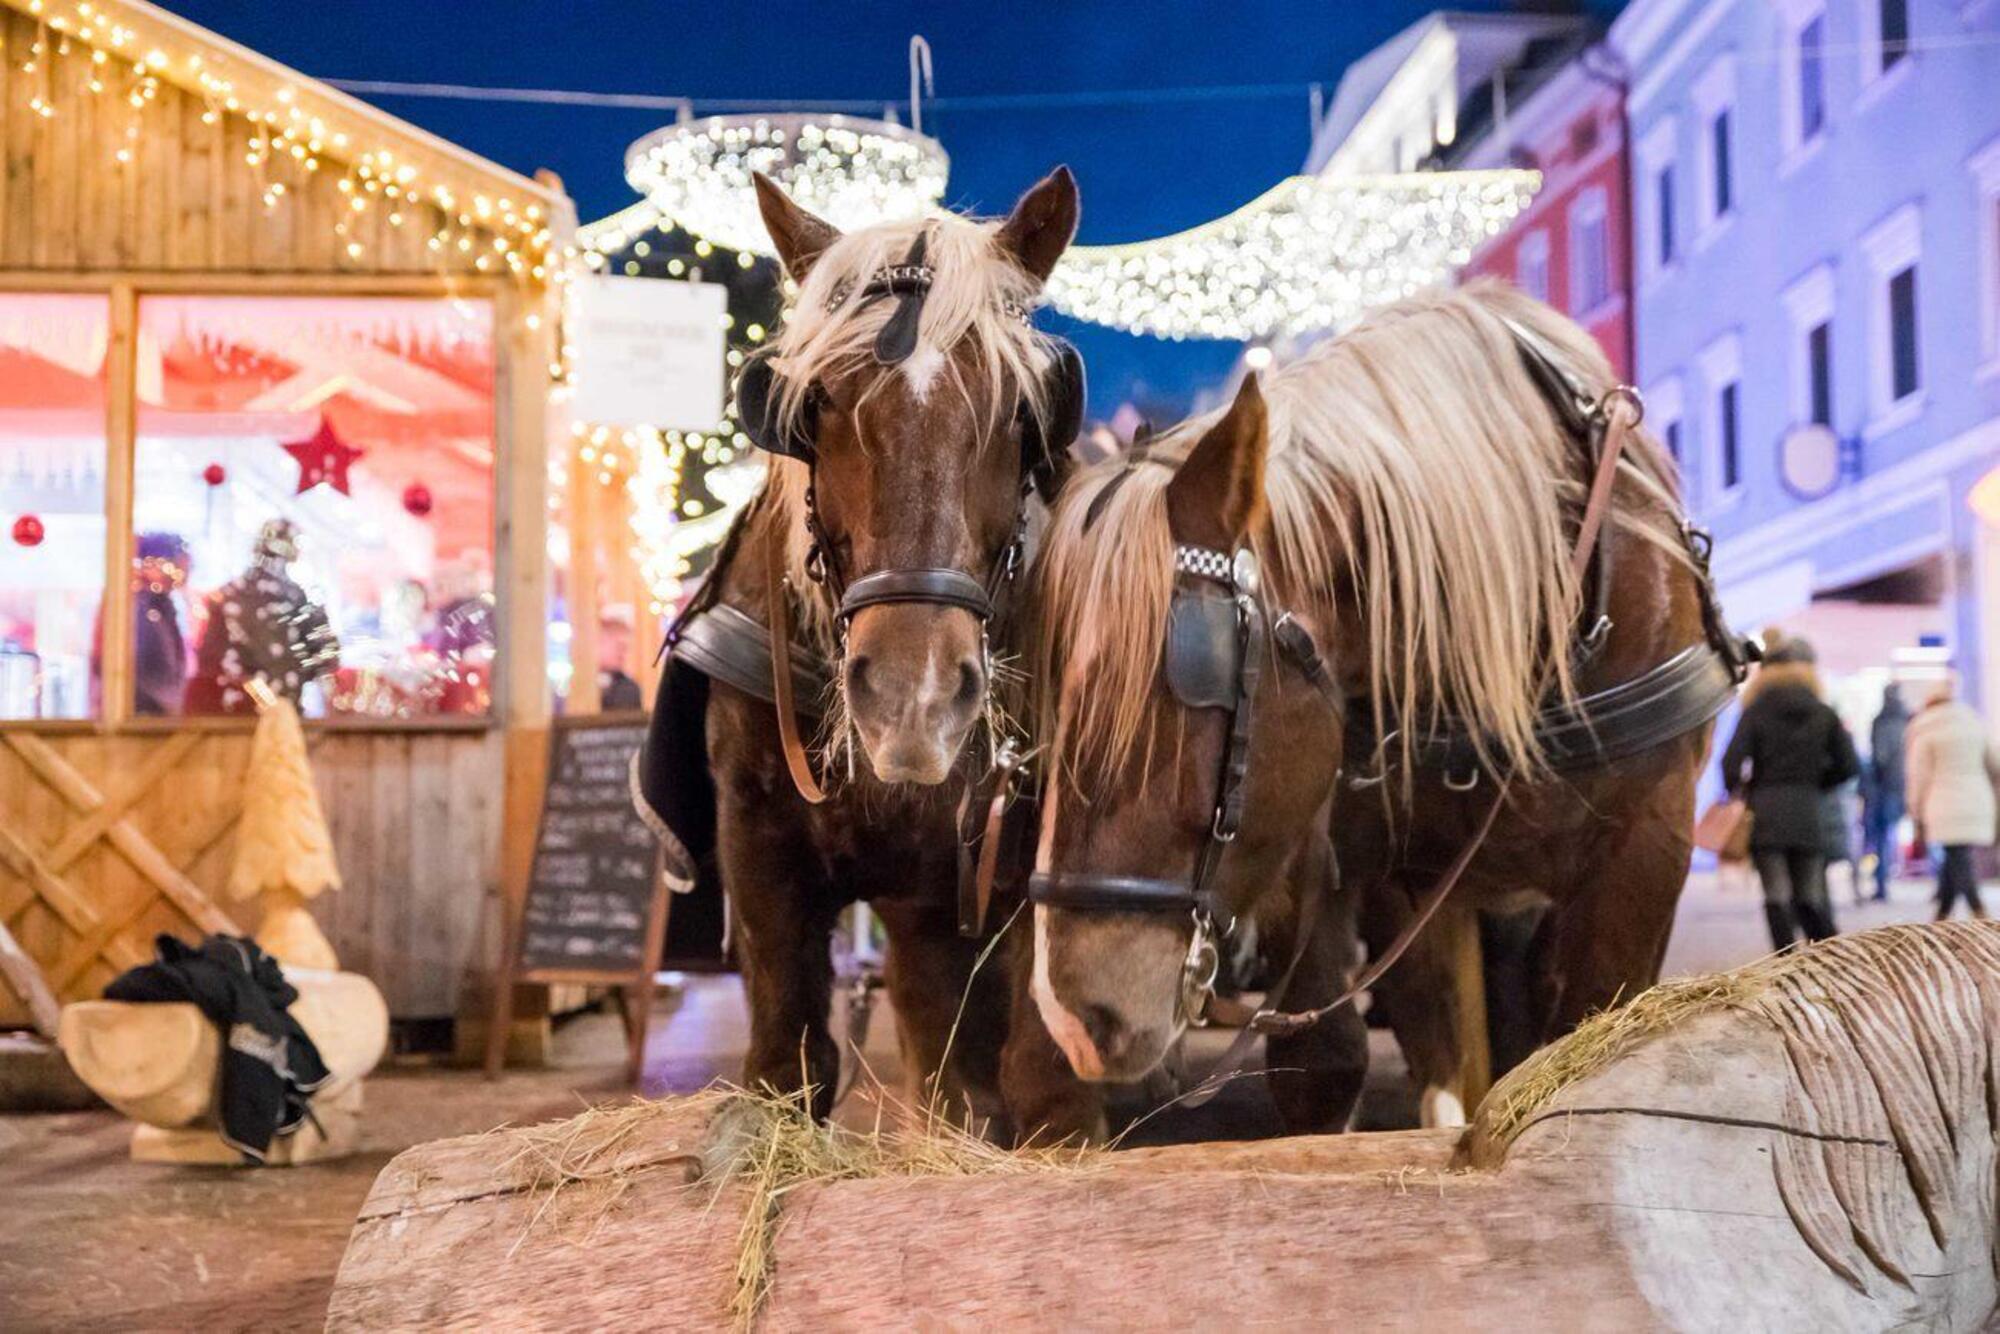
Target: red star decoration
{"type": "Point", "coordinates": [325, 458]}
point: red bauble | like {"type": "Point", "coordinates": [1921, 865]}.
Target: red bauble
{"type": "Point", "coordinates": [28, 531]}
{"type": "Point", "coordinates": [417, 499]}
{"type": "Point", "coordinates": [215, 474]}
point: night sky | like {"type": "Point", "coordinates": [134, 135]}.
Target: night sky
{"type": "Point", "coordinates": [1154, 162]}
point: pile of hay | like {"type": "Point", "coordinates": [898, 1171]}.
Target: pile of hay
{"type": "Point", "coordinates": [575, 1172]}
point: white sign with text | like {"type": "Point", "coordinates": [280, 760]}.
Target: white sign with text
{"type": "Point", "coordinates": [649, 353]}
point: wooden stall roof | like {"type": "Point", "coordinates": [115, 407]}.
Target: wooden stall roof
{"type": "Point", "coordinates": [137, 141]}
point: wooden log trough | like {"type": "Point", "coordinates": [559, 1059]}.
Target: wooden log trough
{"type": "Point", "coordinates": [1808, 1144]}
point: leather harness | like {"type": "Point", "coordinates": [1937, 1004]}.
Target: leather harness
{"type": "Point", "coordinates": [1677, 696]}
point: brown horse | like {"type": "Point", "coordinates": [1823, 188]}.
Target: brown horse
{"type": "Point", "coordinates": [907, 404]}
{"type": "Point", "coordinates": [1224, 747]}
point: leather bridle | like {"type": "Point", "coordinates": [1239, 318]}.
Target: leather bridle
{"type": "Point", "coordinates": [908, 284]}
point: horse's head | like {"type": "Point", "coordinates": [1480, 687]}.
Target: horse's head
{"type": "Point", "coordinates": [1192, 743]}
{"type": "Point", "coordinates": [908, 382]}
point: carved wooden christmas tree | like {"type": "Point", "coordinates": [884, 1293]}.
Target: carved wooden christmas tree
{"type": "Point", "coordinates": [283, 850]}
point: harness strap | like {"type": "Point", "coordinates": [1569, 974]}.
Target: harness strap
{"type": "Point", "coordinates": [943, 587]}
{"type": "Point", "coordinates": [725, 643]}
{"type": "Point", "coordinates": [1620, 413]}
{"type": "Point", "coordinates": [975, 891]}
{"type": "Point", "coordinates": [779, 610]}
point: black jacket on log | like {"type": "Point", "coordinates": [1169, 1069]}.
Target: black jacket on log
{"type": "Point", "coordinates": [269, 1066]}
{"type": "Point", "coordinates": [1788, 750]}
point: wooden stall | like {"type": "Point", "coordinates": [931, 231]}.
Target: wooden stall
{"type": "Point", "coordinates": [209, 262]}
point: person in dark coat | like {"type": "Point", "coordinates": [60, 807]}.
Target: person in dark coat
{"type": "Point", "coordinates": [1882, 786]}
{"type": "Point", "coordinates": [1789, 751]}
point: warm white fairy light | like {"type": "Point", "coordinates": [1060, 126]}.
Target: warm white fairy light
{"type": "Point", "coordinates": [668, 531]}
{"type": "Point", "coordinates": [849, 171]}
{"type": "Point", "coordinates": [1310, 254]}
{"type": "Point", "coordinates": [295, 129]}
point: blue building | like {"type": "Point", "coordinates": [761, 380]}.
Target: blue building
{"type": "Point", "coordinates": [1816, 189]}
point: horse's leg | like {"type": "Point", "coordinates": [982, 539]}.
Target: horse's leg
{"type": "Point", "coordinates": [1045, 1100]}
{"type": "Point", "coordinates": [1315, 1077]}
{"type": "Point", "coordinates": [1611, 931]}
{"type": "Point", "coordinates": [785, 917]}
{"type": "Point", "coordinates": [950, 1021]}
{"type": "Point", "coordinates": [1419, 994]}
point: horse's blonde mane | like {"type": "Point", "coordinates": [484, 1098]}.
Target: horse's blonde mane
{"type": "Point", "coordinates": [1412, 463]}
{"type": "Point", "coordinates": [972, 316]}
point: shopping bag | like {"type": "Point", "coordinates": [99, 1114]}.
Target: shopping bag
{"type": "Point", "coordinates": [1724, 829]}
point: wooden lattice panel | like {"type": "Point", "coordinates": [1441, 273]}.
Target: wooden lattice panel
{"type": "Point", "coordinates": [106, 841]}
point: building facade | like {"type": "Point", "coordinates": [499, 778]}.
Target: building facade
{"type": "Point", "coordinates": [1817, 259]}
{"type": "Point", "coordinates": [1560, 110]}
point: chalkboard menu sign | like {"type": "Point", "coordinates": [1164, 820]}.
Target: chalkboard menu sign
{"type": "Point", "coordinates": [595, 906]}
{"type": "Point", "coordinates": [596, 870]}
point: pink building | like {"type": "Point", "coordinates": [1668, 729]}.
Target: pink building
{"type": "Point", "coordinates": [1560, 110]}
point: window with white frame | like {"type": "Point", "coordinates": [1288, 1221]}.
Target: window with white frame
{"type": "Point", "coordinates": [1885, 40]}
{"type": "Point", "coordinates": [1809, 304]}
{"type": "Point", "coordinates": [1715, 140]}
{"type": "Point", "coordinates": [1531, 265]}
{"type": "Point", "coordinates": [1802, 74]}
{"type": "Point", "coordinates": [1985, 168]}
{"type": "Point", "coordinates": [1894, 248]}
{"type": "Point", "coordinates": [1659, 200]}
{"type": "Point", "coordinates": [1666, 409]}
{"type": "Point", "coordinates": [1589, 253]}
{"type": "Point", "coordinates": [1722, 424]}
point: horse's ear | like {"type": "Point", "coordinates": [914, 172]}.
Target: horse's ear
{"type": "Point", "coordinates": [801, 237]}
{"type": "Point", "coordinates": [1217, 496]}
{"type": "Point", "coordinates": [1041, 226]}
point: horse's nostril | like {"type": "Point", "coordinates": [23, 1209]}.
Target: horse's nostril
{"type": "Point", "coordinates": [1105, 1029]}
{"type": "Point", "coordinates": [857, 675]}
{"type": "Point", "coordinates": [969, 684]}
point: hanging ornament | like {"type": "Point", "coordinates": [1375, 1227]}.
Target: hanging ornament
{"type": "Point", "coordinates": [28, 531]}
{"type": "Point", "coordinates": [324, 458]}
{"type": "Point", "coordinates": [215, 474]}
{"type": "Point", "coordinates": [417, 499]}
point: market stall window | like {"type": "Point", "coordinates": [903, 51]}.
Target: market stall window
{"type": "Point", "coordinates": [52, 459]}
{"type": "Point", "coordinates": [322, 467]}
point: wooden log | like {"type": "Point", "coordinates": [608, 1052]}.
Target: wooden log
{"type": "Point", "coordinates": [160, 1064]}
{"type": "Point", "coordinates": [1806, 1146]}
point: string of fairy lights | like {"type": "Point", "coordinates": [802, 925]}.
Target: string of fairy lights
{"type": "Point", "coordinates": [1310, 254]}
{"type": "Point", "coordinates": [296, 131]}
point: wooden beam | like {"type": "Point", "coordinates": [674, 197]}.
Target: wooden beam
{"type": "Point", "coordinates": [76, 913]}
{"type": "Point", "coordinates": [522, 428]}
{"type": "Point", "coordinates": [120, 440]}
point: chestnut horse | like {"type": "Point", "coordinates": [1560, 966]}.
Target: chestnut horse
{"type": "Point", "coordinates": [907, 404]}
{"type": "Point", "coordinates": [1222, 749]}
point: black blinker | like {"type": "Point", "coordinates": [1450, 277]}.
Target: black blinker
{"type": "Point", "coordinates": [898, 339]}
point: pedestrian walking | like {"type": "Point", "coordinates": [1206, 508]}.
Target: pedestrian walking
{"type": "Point", "coordinates": [1952, 764]}
{"type": "Point", "coordinates": [1882, 787]}
{"type": "Point", "coordinates": [1789, 752]}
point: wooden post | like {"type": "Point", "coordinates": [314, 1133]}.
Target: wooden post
{"type": "Point", "coordinates": [121, 423]}
{"type": "Point", "coordinates": [523, 422]}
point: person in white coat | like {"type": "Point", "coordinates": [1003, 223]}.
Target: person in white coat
{"type": "Point", "coordinates": [1952, 765]}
